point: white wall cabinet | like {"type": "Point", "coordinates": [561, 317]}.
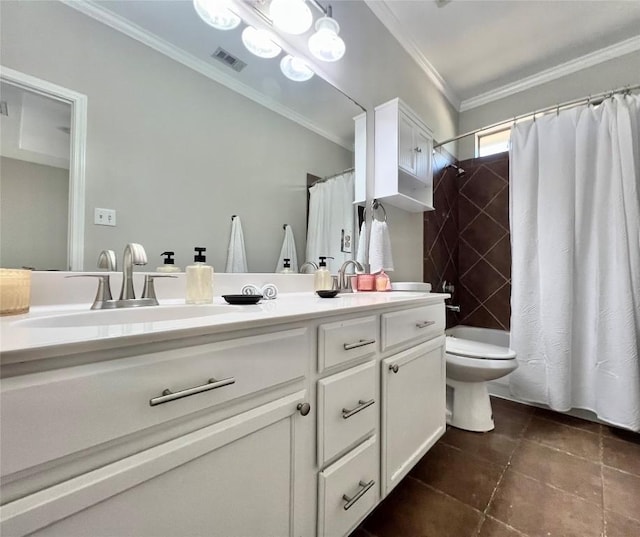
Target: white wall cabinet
{"type": "Point", "coordinates": [413, 408]}
{"type": "Point", "coordinates": [403, 158]}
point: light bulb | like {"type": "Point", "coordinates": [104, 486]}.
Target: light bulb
{"type": "Point", "coordinates": [215, 14]}
{"type": "Point", "coordinates": [295, 69]}
{"type": "Point", "coordinates": [291, 16]}
{"type": "Point", "coordinates": [326, 44]}
{"type": "Point", "coordinates": [259, 42]}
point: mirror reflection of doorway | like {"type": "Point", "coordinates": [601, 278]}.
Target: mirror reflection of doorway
{"type": "Point", "coordinates": [34, 179]}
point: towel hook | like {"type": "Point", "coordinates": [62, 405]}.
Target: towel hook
{"type": "Point", "coordinates": [233, 216]}
{"type": "Point", "coordinates": [377, 205]}
{"type": "Point", "coordinates": [284, 226]}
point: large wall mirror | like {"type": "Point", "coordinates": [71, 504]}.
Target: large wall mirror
{"type": "Point", "coordinates": [176, 141]}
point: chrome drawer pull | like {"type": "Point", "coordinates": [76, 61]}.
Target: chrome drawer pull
{"type": "Point", "coordinates": [424, 324]}
{"type": "Point", "coordinates": [394, 367]}
{"type": "Point", "coordinates": [346, 413]}
{"type": "Point", "coordinates": [212, 384]}
{"type": "Point", "coordinates": [360, 494]}
{"type": "Point", "coordinates": [361, 343]}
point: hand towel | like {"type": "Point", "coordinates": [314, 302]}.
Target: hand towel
{"type": "Point", "coordinates": [236, 254]}
{"type": "Point", "coordinates": [269, 291]}
{"type": "Point", "coordinates": [380, 257]}
{"type": "Point", "coordinates": [288, 250]}
{"type": "Point", "coordinates": [362, 245]}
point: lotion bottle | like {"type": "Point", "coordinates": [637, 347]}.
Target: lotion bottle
{"type": "Point", "coordinates": [199, 280]}
{"type": "Point", "coordinates": [169, 265]}
{"type": "Point", "coordinates": [322, 279]}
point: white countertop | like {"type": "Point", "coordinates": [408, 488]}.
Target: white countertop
{"type": "Point", "coordinates": [20, 342]}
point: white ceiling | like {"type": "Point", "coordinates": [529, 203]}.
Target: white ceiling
{"type": "Point", "coordinates": [476, 48]}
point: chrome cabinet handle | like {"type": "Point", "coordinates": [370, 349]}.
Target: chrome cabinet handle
{"type": "Point", "coordinates": [212, 384]}
{"type": "Point", "coordinates": [424, 324]}
{"type": "Point", "coordinates": [360, 343]}
{"type": "Point", "coordinates": [360, 494]}
{"type": "Point", "coordinates": [347, 413]}
{"type": "Point", "coordinates": [394, 368]}
{"type": "Point", "coordinates": [304, 408]}
{"type": "Point", "coordinates": [418, 150]}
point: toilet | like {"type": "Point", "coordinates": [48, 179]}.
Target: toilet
{"type": "Point", "coordinates": [470, 364]}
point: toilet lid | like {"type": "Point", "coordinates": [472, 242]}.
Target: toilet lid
{"type": "Point", "coordinates": [476, 349]}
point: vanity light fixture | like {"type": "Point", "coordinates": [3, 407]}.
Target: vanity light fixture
{"type": "Point", "coordinates": [326, 44]}
{"type": "Point", "coordinates": [259, 42]}
{"type": "Point", "coordinates": [295, 69]}
{"type": "Point", "coordinates": [216, 14]}
{"type": "Point", "coordinates": [291, 16]}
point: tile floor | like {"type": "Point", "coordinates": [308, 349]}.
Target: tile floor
{"type": "Point", "coordinates": [538, 474]}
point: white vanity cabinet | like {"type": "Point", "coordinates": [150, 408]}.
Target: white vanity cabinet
{"type": "Point", "coordinates": [403, 158]}
{"type": "Point", "coordinates": [147, 445]}
{"type": "Point", "coordinates": [413, 411]}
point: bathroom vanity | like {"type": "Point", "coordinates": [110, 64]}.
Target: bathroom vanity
{"type": "Point", "coordinates": [294, 417]}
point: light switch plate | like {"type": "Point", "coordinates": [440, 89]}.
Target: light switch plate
{"type": "Point", "coordinates": [104, 217]}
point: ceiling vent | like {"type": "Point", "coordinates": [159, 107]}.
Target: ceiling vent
{"type": "Point", "coordinates": [4, 111]}
{"type": "Point", "coordinates": [230, 61]}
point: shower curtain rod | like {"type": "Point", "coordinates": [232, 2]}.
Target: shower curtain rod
{"type": "Point", "coordinates": [556, 108]}
{"type": "Point", "coordinates": [332, 176]}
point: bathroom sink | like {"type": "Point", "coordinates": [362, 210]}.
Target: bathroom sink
{"type": "Point", "coordinates": [125, 316]}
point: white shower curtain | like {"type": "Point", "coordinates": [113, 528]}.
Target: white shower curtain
{"type": "Point", "coordinates": [331, 230]}
{"type": "Point", "coordinates": [575, 233]}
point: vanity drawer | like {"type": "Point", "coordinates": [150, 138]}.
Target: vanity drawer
{"type": "Point", "coordinates": [348, 490]}
{"type": "Point", "coordinates": [343, 341]}
{"type": "Point", "coordinates": [410, 326]}
{"type": "Point", "coordinates": [347, 409]}
{"type": "Point", "coordinates": [52, 414]}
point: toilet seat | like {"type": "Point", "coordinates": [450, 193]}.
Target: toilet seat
{"type": "Point", "coordinates": [477, 350]}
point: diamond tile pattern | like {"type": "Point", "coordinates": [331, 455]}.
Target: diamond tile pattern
{"type": "Point", "coordinates": [467, 241]}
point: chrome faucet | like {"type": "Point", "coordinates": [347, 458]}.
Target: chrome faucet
{"type": "Point", "coordinates": [344, 283]}
{"type": "Point", "coordinates": [134, 254]}
{"type": "Point", "coordinates": [311, 264]}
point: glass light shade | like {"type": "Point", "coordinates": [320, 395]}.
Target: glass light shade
{"type": "Point", "coordinates": [295, 69]}
{"type": "Point", "coordinates": [259, 42]}
{"type": "Point", "coordinates": [326, 44]}
{"type": "Point", "coordinates": [216, 14]}
{"type": "Point", "coordinates": [291, 16]}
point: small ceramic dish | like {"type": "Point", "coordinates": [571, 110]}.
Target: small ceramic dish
{"type": "Point", "coordinates": [242, 299]}
{"type": "Point", "coordinates": [327, 293]}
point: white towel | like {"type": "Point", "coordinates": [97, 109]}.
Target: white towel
{"type": "Point", "coordinates": [288, 250]}
{"type": "Point", "coordinates": [236, 254]}
{"type": "Point", "coordinates": [380, 257]}
{"type": "Point", "coordinates": [362, 245]}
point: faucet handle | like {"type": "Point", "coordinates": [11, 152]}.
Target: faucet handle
{"type": "Point", "coordinates": [107, 260]}
{"type": "Point", "coordinates": [149, 290]}
{"type": "Point", "coordinates": [104, 289]}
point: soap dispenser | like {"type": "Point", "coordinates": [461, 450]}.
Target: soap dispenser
{"type": "Point", "coordinates": [287, 266]}
{"type": "Point", "coordinates": [322, 279]}
{"type": "Point", "coordinates": [199, 279]}
{"type": "Point", "coordinates": [169, 265]}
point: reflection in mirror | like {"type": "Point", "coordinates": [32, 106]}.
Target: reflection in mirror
{"type": "Point", "coordinates": [172, 149]}
{"type": "Point", "coordinates": [42, 140]}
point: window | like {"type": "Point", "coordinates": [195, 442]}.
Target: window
{"type": "Point", "coordinates": [493, 141]}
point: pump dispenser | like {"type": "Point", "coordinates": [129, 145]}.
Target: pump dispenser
{"type": "Point", "coordinates": [322, 280]}
{"type": "Point", "coordinates": [168, 263]}
{"type": "Point", "coordinates": [199, 279]}
{"type": "Point", "coordinates": [287, 266]}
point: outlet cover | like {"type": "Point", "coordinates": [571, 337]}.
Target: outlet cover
{"type": "Point", "coordinates": [104, 217]}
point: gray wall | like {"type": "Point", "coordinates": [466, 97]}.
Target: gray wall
{"type": "Point", "coordinates": [174, 153]}
{"type": "Point", "coordinates": [33, 215]}
{"type": "Point", "coordinates": [605, 76]}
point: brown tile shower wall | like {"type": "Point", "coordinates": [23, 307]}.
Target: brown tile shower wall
{"type": "Point", "coordinates": [467, 241]}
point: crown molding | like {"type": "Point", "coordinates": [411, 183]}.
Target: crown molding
{"type": "Point", "coordinates": [588, 60]}
{"type": "Point", "coordinates": [382, 11]}
{"type": "Point", "coordinates": [122, 25]}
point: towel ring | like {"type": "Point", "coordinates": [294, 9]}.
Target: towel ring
{"type": "Point", "coordinates": [375, 205]}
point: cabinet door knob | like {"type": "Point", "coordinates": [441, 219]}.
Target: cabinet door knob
{"type": "Point", "coordinates": [394, 368]}
{"type": "Point", "coordinates": [304, 408]}
{"type": "Point", "coordinates": [418, 150]}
